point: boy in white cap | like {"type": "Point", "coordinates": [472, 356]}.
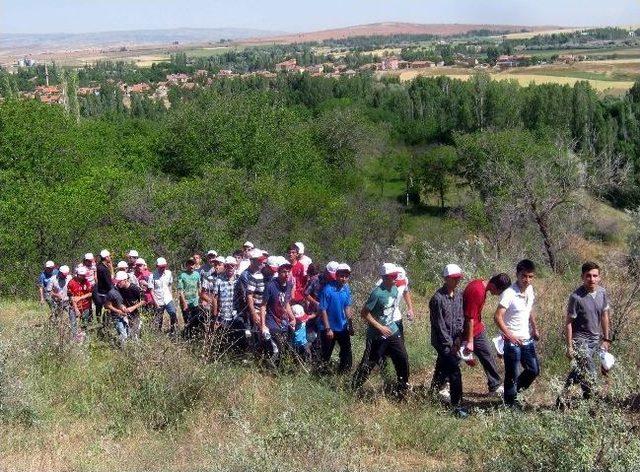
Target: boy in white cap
{"type": "Point", "coordinates": [383, 334]}
{"type": "Point", "coordinates": [447, 328]}
{"type": "Point", "coordinates": [132, 256]}
{"type": "Point", "coordinates": [162, 284]}
{"type": "Point", "coordinates": [58, 286]}
{"type": "Point", "coordinates": [90, 263]}
{"type": "Point", "coordinates": [104, 282]}
{"type": "Point", "coordinates": [80, 290]}
{"type": "Point", "coordinates": [335, 319]}
{"type": "Point", "coordinates": [44, 278]}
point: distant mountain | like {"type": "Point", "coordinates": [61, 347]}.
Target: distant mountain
{"type": "Point", "coordinates": [60, 41]}
{"type": "Point", "coordinates": [390, 28]}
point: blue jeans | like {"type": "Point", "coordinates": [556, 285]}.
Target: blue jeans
{"type": "Point", "coordinates": [173, 317]}
{"type": "Point", "coordinates": [584, 368]}
{"type": "Point", "coordinates": [521, 367]}
{"type": "Point", "coordinates": [122, 328]}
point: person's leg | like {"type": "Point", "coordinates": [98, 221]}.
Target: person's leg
{"type": "Point", "coordinates": [326, 347]}
{"type": "Point", "coordinates": [136, 324]}
{"type": "Point", "coordinates": [511, 365]}
{"type": "Point", "coordinates": [158, 317]}
{"type": "Point", "coordinates": [451, 367]}
{"type": "Point", "coordinates": [346, 354]}
{"type": "Point", "coordinates": [73, 321]}
{"type": "Point", "coordinates": [482, 348]}
{"type": "Point", "coordinates": [396, 350]}
{"type": "Point", "coordinates": [400, 328]}
{"type": "Point", "coordinates": [439, 376]}
{"type": "Point", "coordinates": [531, 370]}
{"type": "Point", "coordinates": [173, 315]}
{"type": "Point", "coordinates": [370, 358]}
{"type": "Point", "coordinates": [86, 318]}
{"type": "Point", "coordinates": [586, 368]}
{"type": "Point", "coordinates": [121, 329]}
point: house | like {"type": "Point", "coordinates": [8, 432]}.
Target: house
{"type": "Point", "coordinates": [287, 66]}
{"type": "Point", "coordinates": [88, 91]}
{"type": "Point", "coordinates": [422, 64]}
{"type": "Point", "coordinates": [390, 63]}
{"type": "Point", "coordinates": [201, 73]}
{"type": "Point", "coordinates": [139, 88]}
{"type": "Point", "coordinates": [226, 73]}
{"type": "Point", "coordinates": [350, 73]}
{"type": "Point", "coordinates": [177, 78]}
{"type": "Point", "coordinates": [505, 61]}
{"type": "Point", "coordinates": [316, 69]}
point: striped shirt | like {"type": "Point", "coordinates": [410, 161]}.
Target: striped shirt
{"type": "Point", "coordinates": [224, 290]}
{"type": "Point", "coordinates": [255, 287]}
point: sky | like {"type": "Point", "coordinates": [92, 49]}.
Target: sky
{"type": "Point", "coordinates": [78, 16]}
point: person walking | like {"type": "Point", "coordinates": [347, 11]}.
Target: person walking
{"type": "Point", "coordinates": [189, 297]}
{"type": "Point", "coordinates": [44, 279]}
{"type": "Point", "coordinates": [383, 335]}
{"type": "Point", "coordinates": [276, 314]}
{"type": "Point", "coordinates": [516, 320]}
{"type": "Point", "coordinates": [447, 321]}
{"type": "Point", "coordinates": [80, 292]}
{"type": "Point", "coordinates": [475, 334]}
{"type": "Point", "coordinates": [162, 284]}
{"type": "Point", "coordinates": [335, 315]}
{"type": "Point", "coordinates": [587, 330]}
{"type": "Point", "coordinates": [104, 283]}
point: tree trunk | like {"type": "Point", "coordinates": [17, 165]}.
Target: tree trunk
{"type": "Point", "coordinates": [543, 226]}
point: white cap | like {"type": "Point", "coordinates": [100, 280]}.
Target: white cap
{"type": "Point", "coordinates": [298, 310]}
{"type": "Point", "coordinates": [343, 267]}
{"type": "Point", "coordinates": [300, 247]}
{"type": "Point", "coordinates": [230, 260]}
{"type": "Point", "coordinates": [255, 254]}
{"type": "Point", "coordinates": [388, 268]}
{"type": "Point", "coordinates": [141, 261]}
{"type": "Point", "coordinates": [211, 252]}
{"type": "Point", "coordinates": [221, 259]}
{"type": "Point", "coordinates": [82, 270]}
{"type": "Point", "coordinates": [332, 266]}
{"type": "Point", "coordinates": [120, 276]}
{"type": "Point", "coordinates": [273, 261]}
{"type": "Point", "coordinates": [133, 253]}
{"type": "Point", "coordinates": [49, 264]}
{"type": "Point", "coordinates": [248, 244]}
{"type": "Point", "coordinates": [122, 265]}
{"type": "Point", "coordinates": [452, 270]}
{"type": "Point", "coordinates": [89, 256]}
{"type": "Point", "coordinates": [64, 269]}
{"type": "Point", "coordinates": [161, 262]}
{"type": "Point", "coordinates": [283, 261]}
{"type": "Point", "coordinates": [402, 274]}
{"type": "Point", "coordinates": [104, 253]}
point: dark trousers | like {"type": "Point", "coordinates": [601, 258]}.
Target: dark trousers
{"type": "Point", "coordinates": [376, 350]}
{"type": "Point", "coordinates": [448, 368]}
{"type": "Point", "coordinates": [344, 341]}
{"type": "Point", "coordinates": [483, 350]}
{"type": "Point", "coordinates": [277, 347]}
{"type": "Point", "coordinates": [516, 357]}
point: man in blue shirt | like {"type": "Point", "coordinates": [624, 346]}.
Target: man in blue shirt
{"type": "Point", "coordinates": [277, 317]}
{"type": "Point", "coordinates": [44, 280]}
{"type": "Point", "coordinates": [335, 312]}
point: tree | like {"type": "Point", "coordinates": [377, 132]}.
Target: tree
{"type": "Point", "coordinates": [436, 171]}
{"type": "Point", "coordinates": [522, 177]}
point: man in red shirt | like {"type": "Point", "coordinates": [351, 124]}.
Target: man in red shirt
{"type": "Point", "coordinates": [477, 341]}
{"type": "Point", "coordinates": [298, 275]}
{"type": "Point", "coordinates": [80, 291]}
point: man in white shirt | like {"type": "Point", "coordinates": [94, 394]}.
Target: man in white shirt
{"type": "Point", "coordinates": [161, 281]}
{"type": "Point", "coordinates": [517, 322]}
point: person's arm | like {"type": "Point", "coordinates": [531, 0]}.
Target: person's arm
{"type": "Point", "coordinates": [292, 317]}
{"type": "Point", "coordinates": [111, 307]}
{"type": "Point", "coordinates": [132, 308]}
{"type": "Point", "coordinates": [407, 299]}
{"type": "Point", "coordinates": [506, 332]}
{"type": "Point", "coordinates": [535, 334]}
{"type": "Point", "coordinates": [323, 305]}
{"type": "Point", "coordinates": [606, 341]}
{"type": "Point", "coordinates": [468, 333]}
{"type": "Point", "coordinates": [439, 325]}
{"type": "Point", "coordinates": [568, 330]}
{"type": "Point", "coordinates": [41, 292]}
{"type": "Point", "coordinates": [368, 317]}
{"type": "Point", "coordinates": [181, 298]}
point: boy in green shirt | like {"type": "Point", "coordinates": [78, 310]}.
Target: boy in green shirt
{"type": "Point", "coordinates": [189, 294]}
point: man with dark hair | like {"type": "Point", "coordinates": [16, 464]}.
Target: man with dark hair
{"type": "Point", "coordinates": [383, 335]}
{"type": "Point", "coordinates": [586, 328]}
{"type": "Point", "coordinates": [104, 282]}
{"type": "Point", "coordinates": [276, 315]}
{"type": "Point", "coordinates": [335, 316]}
{"type": "Point", "coordinates": [298, 275]}
{"type": "Point", "coordinates": [189, 296]}
{"type": "Point", "coordinates": [516, 320]}
{"type": "Point", "coordinates": [447, 321]}
{"type": "Point", "coordinates": [477, 341]}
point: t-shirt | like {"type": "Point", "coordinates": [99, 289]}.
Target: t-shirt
{"type": "Point", "coordinates": [145, 283]}
{"type": "Point", "coordinates": [189, 284]}
{"type": "Point", "coordinates": [103, 275]}
{"type": "Point", "coordinates": [114, 297]}
{"type": "Point", "coordinates": [59, 285]}
{"type": "Point", "coordinates": [473, 299]}
{"type": "Point", "coordinates": [255, 287]}
{"type": "Point", "coordinates": [130, 296]}
{"type": "Point", "coordinates": [161, 287]}
{"type": "Point", "coordinates": [335, 299]}
{"type": "Point", "coordinates": [586, 310]}
{"type": "Point", "coordinates": [44, 279]}
{"type": "Point", "coordinates": [77, 289]}
{"type": "Point", "coordinates": [300, 334]}
{"type": "Point", "coordinates": [224, 290]}
{"type": "Point", "coordinates": [381, 304]}
{"type": "Point", "coordinates": [276, 297]}
{"type": "Point", "coordinates": [518, 306]}
{"type": "Point", "coordinates": [91, 271]}
{"type": "Point", "coordinates": [403, 286]}
{"type": "Point", "coordinates": [298, 274]}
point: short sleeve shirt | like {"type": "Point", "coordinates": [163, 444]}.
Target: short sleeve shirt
{"type": "Point", "coordinates": [276, 297]}
{"type": "Point", "coordinates": [256, 287]}
{"type": "Point", "coordinates": [473, 299]}
{"type": "Point", "coordinates": [382, 303]}
{"type": "Point", "coordinates": [586, 310]}
{"type": "Point", "coordinates": [189, 284]}
{"type": "Point", "coordinates": [130, 295]}
{"type": "Point", "coordinates": [161, 287]}
{"type": "Point", "coordinates": [77, 289]}
{"type": "Point", "coordinates": [59, 285]}
{"type": "Point", "coordinates": [115, 298]}
{"type": "Point", "coordinates": [335, 299]}
{"type": "Point", "coordinates": [518, 305]}
{"type": "Point", "coordinates": [44, 281]}
{"type": "Point", "coordinates": [298, 273]}
{"type": "Point", "coordinates": [224, 290]}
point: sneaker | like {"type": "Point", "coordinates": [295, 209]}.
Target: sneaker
{"type": "Point", "coordinates": [498, 391]}
{"type": "Point", "coordinates": [461, 412]}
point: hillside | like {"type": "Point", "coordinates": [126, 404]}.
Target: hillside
{"type": "Point", "coordinates": [390, 28]}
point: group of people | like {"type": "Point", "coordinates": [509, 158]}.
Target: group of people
{"type": "Point", "coordinates": [275, 306]}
